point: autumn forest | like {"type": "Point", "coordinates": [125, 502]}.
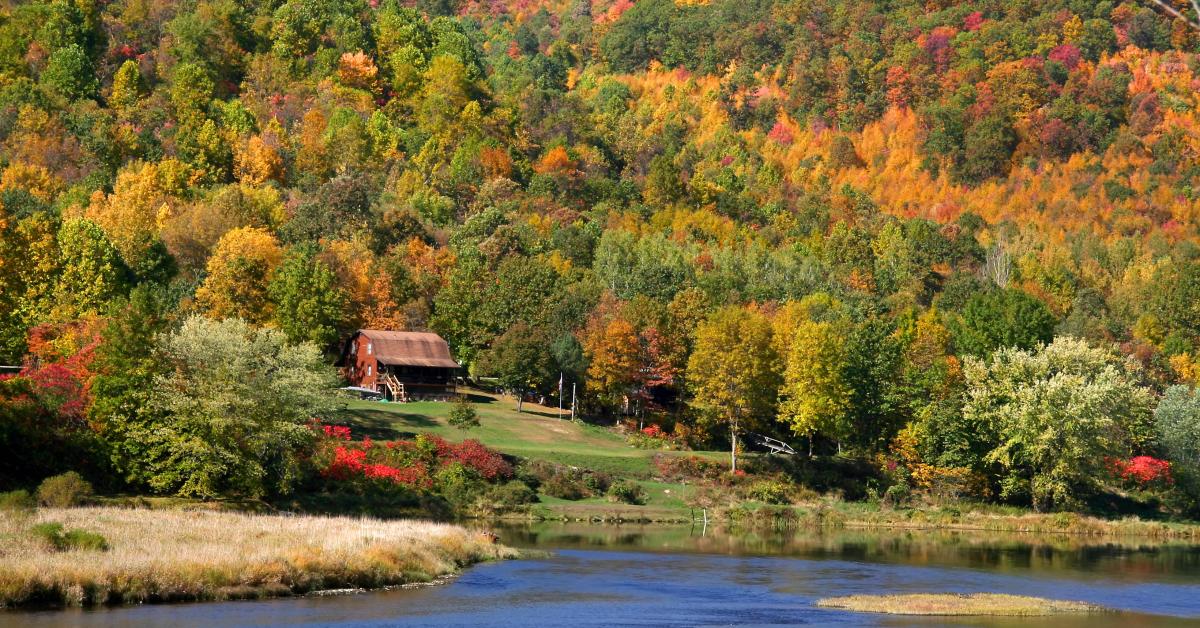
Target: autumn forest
{"type": "Point", "coordinates": [958, 242]}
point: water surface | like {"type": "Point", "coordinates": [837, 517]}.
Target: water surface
{"type": "Point", "coordinates": [678, 576]}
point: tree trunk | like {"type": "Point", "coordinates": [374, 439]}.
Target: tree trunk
{"type": "Point", "coordinates": [520, 400]}
{"type": "Point", "coordinates": [810, 440]}
{"type": "Point", "coordinates": [732, 449]}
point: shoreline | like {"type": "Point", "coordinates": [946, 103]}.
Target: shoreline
{"type": "Point", "coordinates": [843, 517]}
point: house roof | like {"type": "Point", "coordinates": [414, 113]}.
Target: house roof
{"type": "Point", "coordinates": [410, 348]}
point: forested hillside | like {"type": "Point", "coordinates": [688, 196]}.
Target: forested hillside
{"type": "Point", "coordinates": [957, 238]}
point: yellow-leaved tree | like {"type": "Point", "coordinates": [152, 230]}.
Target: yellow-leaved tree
{"type": "Point", "coordinates": [733, 372]}
{"type": "Point", "coordinates": [816, 395]}
{"type": "Point", "coordinates": [239, 272]}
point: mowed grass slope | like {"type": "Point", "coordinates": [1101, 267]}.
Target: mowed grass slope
{"type": "Point", "coordinates": [537, 433]}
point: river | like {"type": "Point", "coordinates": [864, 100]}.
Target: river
{"type": "Point", "coordinates": [596, 575]}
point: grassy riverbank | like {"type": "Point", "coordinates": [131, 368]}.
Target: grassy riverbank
{"type": "Point", "coordinates": [963, 517]}
{"type": "Point", "coordinates": [171, 555]}
{"type": "Point", "coordinates": [834, 514]}
{"type": "Point", "coordinates": [539, 434]}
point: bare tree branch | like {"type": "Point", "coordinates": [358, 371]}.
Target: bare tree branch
{"type": "Point", "coordinates": [1175, 12]}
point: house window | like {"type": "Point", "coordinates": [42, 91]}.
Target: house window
{"type": "Point", "coordinates": [368, 370]}
{"type": "Point", "coordinates": [370, 348]}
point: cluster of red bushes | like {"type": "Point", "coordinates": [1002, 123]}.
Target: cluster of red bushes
{"type": "Point", "coordinates": [410, 463]}
{"type": "Point", "coordinates": [350, 463]}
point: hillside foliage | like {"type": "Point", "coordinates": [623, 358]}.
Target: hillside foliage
{"type": "Point", "coordinates": [845, 223]}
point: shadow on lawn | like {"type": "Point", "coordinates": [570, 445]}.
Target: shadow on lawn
{"type": "Point", "coordinates": [383, 424]}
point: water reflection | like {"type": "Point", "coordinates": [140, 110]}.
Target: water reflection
{"type": "Point", "coordinates": [1082, 557]}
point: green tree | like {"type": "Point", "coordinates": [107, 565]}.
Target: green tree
{"type": "Point", "coordinates": [203, 147]}
{"type": "Point", "coordinates": [477, 305]}
{"type": "Point", "coordinates": [521, 361]}
{"type": "Point", "coordinates": [447, 89]}
{"type": "Point", "coordinates": [69, 73]}
{"type": "Point", "coordinates": [308, 303]}
{"type": "Point", "coordinates": [640, 36]}
{"type": "Point", "coordinates": [873, 372]}
{"type": "Point", "coordinates": [987, 150]}
{"type": "Point", "coordinates": [1056, 414]}
{"type": "Point", "coordinates": [463, 415]}
{"type": "Point", "coordinates": [191, 89]}
{"type": "Point", "coordinates": [1177, 424]}
{"type": "Point", "coordinates": [733, 372]}
{"type": "Point", "coordinates": [91, 274]}
{"type": "Point", "coordinates": [63, 26]}
{"type": "Point", "coordinates": [126, 364]}
{"type": "Point", "coordinates": [235, 403]}
{"type": "Point", "coordinates": [1003, 318]}
{"type": "Point", "coordinates": [652, 265]}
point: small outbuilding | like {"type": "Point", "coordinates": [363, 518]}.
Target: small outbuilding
{"type": "Point", "coordinates": [401, 365]}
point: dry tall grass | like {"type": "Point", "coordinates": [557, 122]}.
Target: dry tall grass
{"type": "Point", "coordinates": [161, 556]}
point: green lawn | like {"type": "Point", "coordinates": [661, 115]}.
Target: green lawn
{"type": "Point", "coordinates": [536, 433]}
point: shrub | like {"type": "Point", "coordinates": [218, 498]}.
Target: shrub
{"type": "Point", "coordinates": [84, 540]}
{"type": "Point", "coordinates": [458, 485]}
{"type": "Point", "coordinates": [597, 482]}
{"type": "Point", "coordinates": [897, 495]}
{"type": "Point", "coordinates": [771, 492]}
{"type": "Point", "coordinates": [532, 473]}
{"type": "Point", "coordinates": [58, 539]}
{"type": "Point", "coordinates": [510, 495]}
{"type": "Point", "coordinates": [627, 492]}
{"type": "Point", "coordinates": [1143, 470]}
{"type": "Point", "coordinates": [474, 455]}
{"type": "Point", "coordinates": [650, 437]}
{"type": "Point", "coordinates": [64, 491]}
{"type": "Point", "coordinates": [687, 467]}
{"type": "Point", "coordinates": [564, 486]}
{"type": "Point", "coordinates": [463, 415]}
{"type": "Point", "coordinates": [563, 482]}
{"type": "Point", "coordinates": [17, 501]}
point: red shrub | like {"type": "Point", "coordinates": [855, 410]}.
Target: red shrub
{"type": "Point", "coordinates": [780, 133]}
{"type": "Point", "coordinates": [336, 432]}
{"type": "Point", "coordinates": [474, 455]}
{"type": "Point", "coordinates": [347, 463]}
{"type": "Point", "coordinates": [973, 21]}
{"type": "Point", "coordinates": [1144, 470]}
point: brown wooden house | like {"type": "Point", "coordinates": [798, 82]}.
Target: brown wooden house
{"type": "Point", "coordinates": [401, 365]}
